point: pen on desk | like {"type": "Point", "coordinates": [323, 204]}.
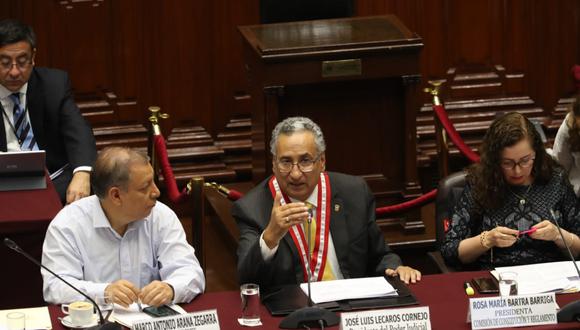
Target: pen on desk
{"type": "Point", "coordinates": [468, 289]}
{"type": "Point", "coordinates": [139, 305]}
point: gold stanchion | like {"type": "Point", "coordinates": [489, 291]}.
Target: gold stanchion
{"type": "Point", "coordinates": [221, 189]}
{"type": "Point", "coordinates": [440, 134]}
{"type": "Point", "coordinates": [154, 129]}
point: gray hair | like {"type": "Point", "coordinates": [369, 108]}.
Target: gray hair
{"type": "Point", "coordinates": [293, 125]}
{"type": "Point", "coordinates": [112, 168]}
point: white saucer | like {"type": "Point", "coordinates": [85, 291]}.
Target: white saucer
{"type": "Point", "coordinates": [66, 321]}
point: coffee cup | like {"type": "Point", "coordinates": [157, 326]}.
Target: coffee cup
{"type": "Point", "coordinates": [80, 312]}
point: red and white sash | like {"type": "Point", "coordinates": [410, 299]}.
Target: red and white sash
{"type": "Point", "coordinates": [318, 258]}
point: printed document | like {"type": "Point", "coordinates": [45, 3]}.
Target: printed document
{"type": "Point", "coordinates": [558, 277]}
{"type": "Point", "coordinates": [355, 288]}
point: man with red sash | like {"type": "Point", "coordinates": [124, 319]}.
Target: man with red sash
{"type": "Point", "coordinates": [337, 209]}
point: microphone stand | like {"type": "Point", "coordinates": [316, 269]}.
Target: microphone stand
{"type": "Point", "coordinates": [309, 316]}
{"type": "Point", "coordinates": [103, 326]}
{"type": "Point", "coordinates": [570, 312]}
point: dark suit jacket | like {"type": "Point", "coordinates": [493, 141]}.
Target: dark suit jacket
{"type": "Point", "coordinates": [58, 126]}
{"type": "Point", "coordinates": [360, 247]}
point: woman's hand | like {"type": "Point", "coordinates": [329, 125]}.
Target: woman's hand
{"type": "Point", "coordinates": [545, 231]}
{"type": "Point", "coordinates": [500, 237]}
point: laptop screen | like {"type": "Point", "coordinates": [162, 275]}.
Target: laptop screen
{"type": "Point", "coordinates": [22, 170]}
{"type": "Point", "coordinates": [22, 163]}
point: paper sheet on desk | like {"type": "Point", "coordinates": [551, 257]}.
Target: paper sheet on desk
{"type": "Point", "coordinates": [558, 276]}
{"type": "Point", "coordinates": [355, 288]}
{"type": "Point", "coordinates": [130, 315]}
{"type": "Point", "coordinates": [36, 318]}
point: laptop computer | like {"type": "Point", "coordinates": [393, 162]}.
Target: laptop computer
{"type": "Point", "coordinates": [22, 170]}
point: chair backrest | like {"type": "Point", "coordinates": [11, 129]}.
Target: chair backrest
{"type": "Point", "coordinates": [448, 192]}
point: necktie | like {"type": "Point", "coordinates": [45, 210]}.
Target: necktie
{"type": "Point", "coordinates": [22, 127]}
{"type": "Point", "coordinates": [328, 273]}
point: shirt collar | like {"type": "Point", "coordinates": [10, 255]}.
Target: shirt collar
{"type": "Point", "coordinates": [4, 92]}
{"type": "Point", "coordinates": [312, 199]}
{"type": "Point", "coordinates": [100, 220]}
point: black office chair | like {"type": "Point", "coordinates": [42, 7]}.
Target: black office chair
{"type": "Point", "coordinates": [448, 192]}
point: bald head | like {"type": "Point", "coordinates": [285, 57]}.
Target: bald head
{"type": "Point", "coordinates": [112, 168]}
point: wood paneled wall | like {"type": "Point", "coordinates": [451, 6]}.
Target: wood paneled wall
{"type": "Point", "coordinates": [535, 42]}
{"type": "Point", "coordinates": [185, 56]}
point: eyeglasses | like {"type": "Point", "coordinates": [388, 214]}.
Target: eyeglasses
{"type": "Point", "coordinates": [22, 63]}
{"type": "Point", "coordinates": [305, 165]}
{"type": "Point", "coordinates": [526, 162]}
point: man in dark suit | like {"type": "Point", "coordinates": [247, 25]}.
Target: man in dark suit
{"type": "Point", "coordinates": [273, 218]}
{"type": "Point", "coordinates": [39, 113]}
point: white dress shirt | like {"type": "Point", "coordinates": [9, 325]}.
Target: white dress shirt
{"type": "Point", "coordinates": [568, 159]}
{"type": "Point", "coordinates": [82, 247]}
{"type": "Point", "coordinates": [8, 115]}
{"type": "Point", "coordinates": [331, 258]}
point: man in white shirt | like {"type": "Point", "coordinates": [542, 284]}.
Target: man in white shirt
{"type": "Point", "coordinates": [121, 242]}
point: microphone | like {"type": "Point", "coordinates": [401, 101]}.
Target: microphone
{"type": "Point", "coordinates": [570, 312]}
{"type": "Point", "coordinates": [103, 326]}
{"type": "Point", "coordinates": [309, 272]}
{"type": "Point", "coordinates": [309, 316]}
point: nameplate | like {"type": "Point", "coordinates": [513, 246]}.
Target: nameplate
{"type": "Point", "coordinates": [513, 311]}
{"type": "Point", "coordinates": [204, 320]}
{"type": "Point", "coordinates": [416, 318]}
{"type": "Point", "coordinates": [342, 68]}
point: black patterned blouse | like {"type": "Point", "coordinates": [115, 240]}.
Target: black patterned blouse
{"type": "Point", "coordinates": [556, 195]}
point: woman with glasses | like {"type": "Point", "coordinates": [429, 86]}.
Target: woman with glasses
{"type": "Point", "coordinates": [567, 145]}
{"type": "Point", "coordinates": [507, 212]}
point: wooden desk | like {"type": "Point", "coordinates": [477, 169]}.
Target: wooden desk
{"type": "Point", "coordinates": [24, 218]}
{"type": "Point", "coordinates": [444, 294]}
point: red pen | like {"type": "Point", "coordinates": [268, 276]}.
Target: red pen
{"type": "Point", "coordinates": [529, 231]}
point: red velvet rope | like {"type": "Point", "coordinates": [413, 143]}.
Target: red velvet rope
{"type": "Point", "coordinates": [234, 195]}
{"type": "Point", "coordinates": [161, 151]}
{"type": "Point", "coordinates": [417, 202]}
{"type": "Point", "coordinates": [455, 138]}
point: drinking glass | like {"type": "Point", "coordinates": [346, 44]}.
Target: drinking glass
{"type": "Point", "coordinates": [15, 321]}
{"type": "Point", "coordinates": [250, 294]}
{"type": "Point", "coordinates": [105, 303]}
{"type": "Point", "coordinates": [508, 284]}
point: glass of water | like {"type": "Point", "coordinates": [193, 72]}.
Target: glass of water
{"type": "Point", "coordinates": [15, 321]}
{"type": "Point", "coordinates": [508, 284]}
{"type": "Point", "coordinates": [250, 294]}
{"type": "Point", "coordinates": [105, 303]}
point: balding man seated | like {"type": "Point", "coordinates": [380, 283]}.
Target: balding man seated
{"type": "Point", "coordinates": [121, 242]}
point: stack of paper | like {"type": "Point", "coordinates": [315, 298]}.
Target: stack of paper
{"type": "Point", "coordinates": [356, 288]}
{"type": "Point", "coordinates": [558, 276]}
{"type": "Point", "coordinates": [36, 318]}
